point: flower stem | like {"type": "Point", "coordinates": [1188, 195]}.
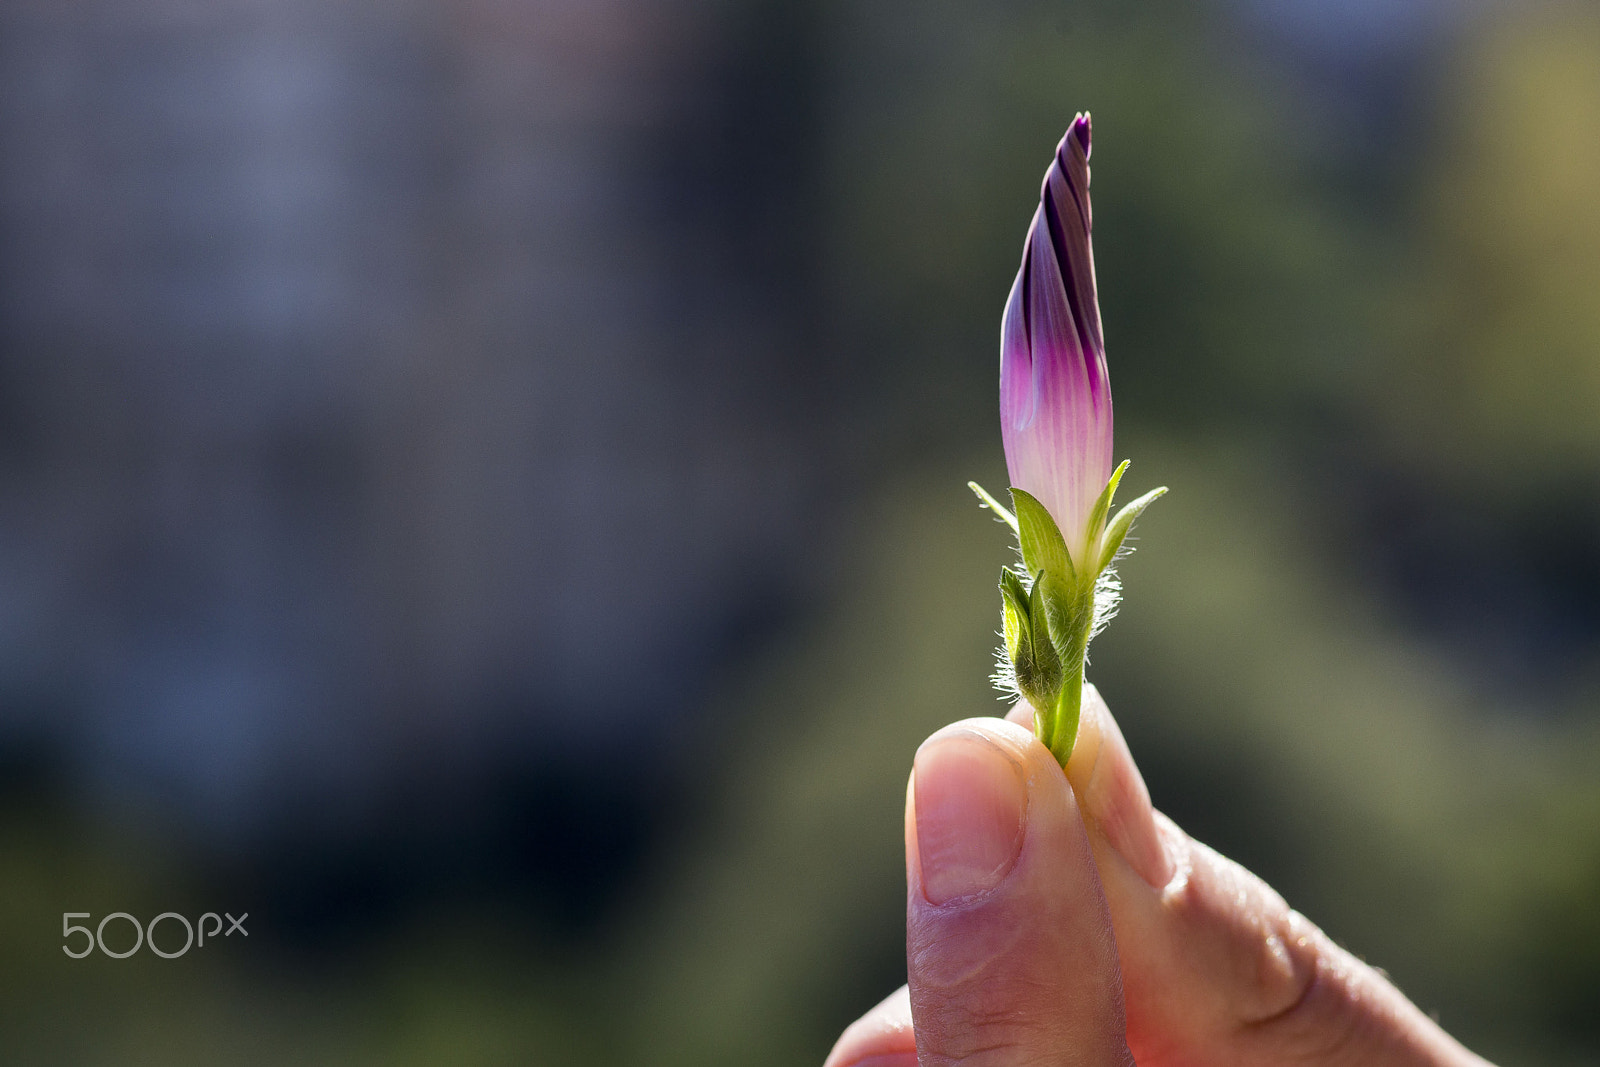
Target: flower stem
{"type": "Point", "coordinates": [1062, 729]}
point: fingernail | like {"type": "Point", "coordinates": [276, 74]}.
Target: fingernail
{"type": "Point", "coordinates": [971, 805]}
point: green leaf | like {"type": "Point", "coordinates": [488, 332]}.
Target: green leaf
{"type": "Point", "coordinates": [995, 506]}
{"type": "Point", "coordinates": [1117, 531]}
{"type": "Point", "coordinates": [1043, 550]}
{"type": "Point", "coordinates": [1102, 507]}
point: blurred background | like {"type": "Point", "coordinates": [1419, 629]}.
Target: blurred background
{"type": "Point", "coordinates": [482, 491]}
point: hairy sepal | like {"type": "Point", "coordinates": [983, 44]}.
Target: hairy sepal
{"type": "Point", "coordinates": [1035, 663]}
{"type": "Point", "coordinates": [1097, 515]}
{"type": "Point", "coordinates": [1043, 548]}
{"type": "Point", "coordinates": [1117, 530]}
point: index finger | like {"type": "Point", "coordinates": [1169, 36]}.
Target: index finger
{"type": "Point", "coordinates": [880, 1038]}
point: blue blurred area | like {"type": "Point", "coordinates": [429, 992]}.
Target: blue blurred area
{"type": "Point", "coordinates": [481, 486]}
{"type": "Point", "coordinates": [387, 385]}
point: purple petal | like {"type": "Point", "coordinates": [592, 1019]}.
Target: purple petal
{"type": "Point", "coordinates": [1018, 402]}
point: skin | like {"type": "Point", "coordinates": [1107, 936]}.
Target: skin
{"type": "Point", "coordinates": [1058, 919]}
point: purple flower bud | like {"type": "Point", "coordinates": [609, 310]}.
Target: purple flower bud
{"type": "Point", "coordinates": [1055, 398]}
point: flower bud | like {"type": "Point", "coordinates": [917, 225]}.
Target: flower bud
{"type": "Point", "coordinates": [1055, 397]}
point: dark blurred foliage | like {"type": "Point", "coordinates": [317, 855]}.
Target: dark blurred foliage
{"type": "Point", "coordinates": [481, 490]}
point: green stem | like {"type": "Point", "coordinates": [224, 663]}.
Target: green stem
{"type": "Point", "coordinates": [1062, 733]}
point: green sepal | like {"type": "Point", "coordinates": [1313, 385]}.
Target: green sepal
{"type": "Point", "coordinates": [1035, 664]}
{"type": "Point", "coordinates": [1016, 620]}
{"type": "Point", "coordinates": [995, 506]}
{"type": "Point", "coordinates": [1043, 687]}
{"type": "Point", "coordinates": [1046, 660]}
{"type": "Point", "coordinates": [1102, 508]}
{"type": "Point", "coordinates": [1117, 531]}
{"type": "Point", "coordinates": [1043, 549]}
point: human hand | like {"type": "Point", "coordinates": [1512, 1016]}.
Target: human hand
{"type": "Point", "coordinates": [1059, 919]}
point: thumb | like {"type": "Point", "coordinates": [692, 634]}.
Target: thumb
{"type": "Point", "coordinates": [1009, 948]}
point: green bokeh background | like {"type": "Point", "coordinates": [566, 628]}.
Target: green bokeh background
{"type": "Point", "coordinates": [1313, 325]}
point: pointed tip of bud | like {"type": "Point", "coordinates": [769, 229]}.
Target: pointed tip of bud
{"type": "Point", "coordinates": [1080, 130]}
